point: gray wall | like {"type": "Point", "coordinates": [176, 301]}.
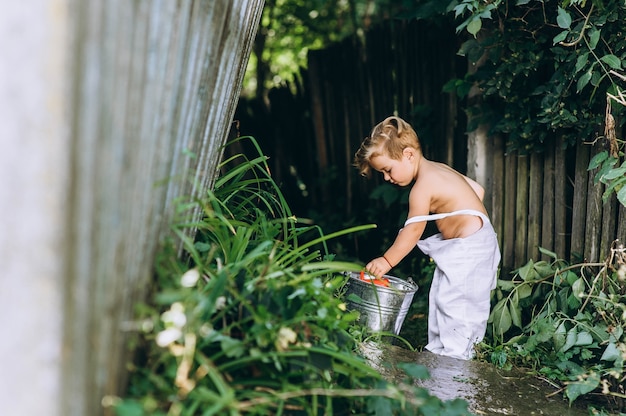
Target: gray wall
{"type": "Point", "coordinates": [109, 111]}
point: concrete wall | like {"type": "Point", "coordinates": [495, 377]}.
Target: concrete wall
{"type": "Point", "coordinates": [109, 111]}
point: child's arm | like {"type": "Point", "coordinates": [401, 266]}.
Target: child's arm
{"type": "Point", "coordinates": [404, 243]}
{"type": "Point", "coordinates": [407, 238]}
{"type": "Point", "coordinates": [480, 191]}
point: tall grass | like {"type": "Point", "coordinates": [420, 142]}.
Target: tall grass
{"type": "Point", "coordinates": [249, 319]}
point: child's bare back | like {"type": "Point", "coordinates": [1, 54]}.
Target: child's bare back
{"type": "Point", "coordinates": [440, 189]}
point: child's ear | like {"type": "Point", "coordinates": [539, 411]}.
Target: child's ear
{"type": "Point", "coordinates": [408, 152]}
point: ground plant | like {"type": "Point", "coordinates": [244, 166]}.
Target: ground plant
{"type": "Point", "coordinates": [566, 323]}
{"type": "Point", "coordinates": [246, 317]}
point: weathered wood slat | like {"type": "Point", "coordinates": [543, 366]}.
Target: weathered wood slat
{"type": "Point", "coordinates": [621, 224]}
{"type": "Point", "coordinates": [496, 208]}
{"type": "Point", "coordinates": [510, 202]}
{"type": "Point", "coordinates": [593, 225]}
{"type": "Point", "coordinates": [561, 205]}
{"type": "Point", "coordinates": [579, 205]}
{"type": "Point", "coordinates": [521, 210]}
{"type": "Point", "coordinates": [609, 227]}
{"type": "Point", "coordinates": [548, 202]}
{"type": "Point", "coordinates": [535, 200]}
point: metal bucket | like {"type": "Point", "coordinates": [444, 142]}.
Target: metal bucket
{"type": "Point", "coordinates": [382, 309]}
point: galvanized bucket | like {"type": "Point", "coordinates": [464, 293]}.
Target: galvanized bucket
{"type": "Point", "coordinates": [382, 309]}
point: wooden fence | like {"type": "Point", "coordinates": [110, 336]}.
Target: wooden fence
{"type": "Point", "coordinates": [539, 200]}
{"type": "Point", "coordinates": [110, 112]}
{"type": "Point", "coordinates": [550, 200]}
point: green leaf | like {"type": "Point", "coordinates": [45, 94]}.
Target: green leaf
{"type": "Point", "coordinates": [545, 330]}
{"type": "Point", "coordinates": [571, 277]}
{"type": "Point", "coordinates": [501, 317]}
{"type": "Point", "coordinates": [526, 272]}
{"type": "Point", "coordinates": [583, 81]}
{"type": "Point", "coordinates": [615, 173]}
{"type": "Point", "coordinates": [570, 339]}
{"type": "Point", "coordinates": [584, 386]}
{"type": "Point", "coordinates": [474, 26]}
{"type": "Point", "coordinates": [611, 353]}
{"type": "Point", "coordinates": [594, 37]}
{"type": "Point", "coordinates": [129, 408]}
{"type": "Point", "coordinates": [559, 336]}
{"type": "Point", "coordinates": [232, 347]}
{"type": "Point", "coordinates": [563, 19]}
{"type": "Point", "coordinates": [524, 290]}
{"type": "Point", "coordinates": [507, 285]}
{"type": "Point", "coordinates": [516, 314]}
{"type": "Point", "coordinates": [578, 288]}
{"type": "Point", "coordinates": [581, 61]}
{"type": "Point", "coordinates": [548, 253]}
{"type": "Point", "coordinates": [598, 159]}
{"type": "Point", "coordinates": [612, 61]}
{"type": "Point", "coordinates": [560, 37]}
{"type": "Point", "coordinates": [583, 338]}
{"type": "Point", "coordinates": [543, 268]}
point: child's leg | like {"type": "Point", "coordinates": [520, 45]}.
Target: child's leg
{"type": "Point", "coordinates": [460, 295]}
{"type": "Point", "coordinates": [434, 343]}
{"type": "Point", "coordinates": [458, 314]}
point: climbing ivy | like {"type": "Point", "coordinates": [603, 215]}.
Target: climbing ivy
{"type": "Point", "coordinates": [543, 67]}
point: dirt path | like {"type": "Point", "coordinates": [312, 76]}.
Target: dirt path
{"type": "Point", "coordinates": [488, 390]}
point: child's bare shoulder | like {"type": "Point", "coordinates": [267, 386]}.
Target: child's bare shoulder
{"type": "Point", "coordinates": [447, 189]}
{"type": "Point", "coordinates": [435, 174]}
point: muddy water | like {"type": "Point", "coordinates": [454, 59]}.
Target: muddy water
{"type": "Point", "coordinates": [487, 390]}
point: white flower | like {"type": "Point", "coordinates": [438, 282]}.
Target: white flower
{"type": "Point", "coordinates": [190, 278]}
{"type": "Point", "coordinates": [286, 336]}
{"type": "Point", "coordinates": [220, 303]}
{"type": "Point", "coordinates": [175, 316]}
{"type": "Point", "coordinates": [167, 336]}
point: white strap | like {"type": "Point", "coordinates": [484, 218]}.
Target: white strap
{"type": "Point", "coordinates": [433, 217]}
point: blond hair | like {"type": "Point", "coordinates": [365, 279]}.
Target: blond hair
{"type": "Point", "coordinates": [389, 137]}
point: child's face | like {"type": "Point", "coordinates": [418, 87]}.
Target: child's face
{"type": "Point", "coordinates": [398, 172]}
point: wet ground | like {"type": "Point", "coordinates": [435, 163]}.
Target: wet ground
{"type": "Point", "coordinates": [488, 390]}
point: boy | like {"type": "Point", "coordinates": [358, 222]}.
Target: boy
{"type": "Point", "coordinates": [465, 250]}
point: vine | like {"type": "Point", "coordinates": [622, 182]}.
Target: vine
{"type": "Point", "coordinates": [549, 69]}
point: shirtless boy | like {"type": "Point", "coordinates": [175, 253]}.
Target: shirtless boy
{"type": "Point", "coordinates": [465, 250]}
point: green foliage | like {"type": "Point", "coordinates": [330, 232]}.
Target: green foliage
{"type": "Point", "coordinates": [290, 28]}
{"type": "Point", "coordinates": [565, 322]}
{"type": "Point", "coordinates": [547, 66]}
{"type": "Point", "coordinates": [250, 318]}
{"type": "Point", "coordinates": [611, 174]}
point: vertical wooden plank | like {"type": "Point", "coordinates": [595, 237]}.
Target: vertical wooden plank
{"type": "Point", "coordinates": [510, 190]}
{"type": "Point", "coordinates": [153, 82]}
{"type": "Point", "coordinates": [609, 225]}
{"type": "Point", "coordinates": [317, 109]}
{"type": "Point", "coordinates": [521, 211]}
{"type": "Point", "coordinates": [496, 208]}
{"type": "Point", "coordinates": [593, 226]}
{"type": "Point", "coordinates": [535, 200]}
{"type": "Point", "coordinates": [560, 202]}
{"type": "Point", "coordinates": [579, 204]}
{"type": "Point", "coordinates": [621, 224]}
{"type": "Point", "coordinates": [549, 199]}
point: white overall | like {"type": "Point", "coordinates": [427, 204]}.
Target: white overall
{"type": "Point", "coordinates": [459, 298]}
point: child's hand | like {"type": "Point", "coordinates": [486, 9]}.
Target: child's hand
{"type": "Point", "coordinates": [378, 267]}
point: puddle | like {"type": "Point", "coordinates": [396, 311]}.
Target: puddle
{"type": "Point", "coordinates": [487, 390]}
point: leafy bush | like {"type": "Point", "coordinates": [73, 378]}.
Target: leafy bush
{"type": "Point", "coordinates": [566, 322]}
{"type": "Point", "coordinates": [249, 319]}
